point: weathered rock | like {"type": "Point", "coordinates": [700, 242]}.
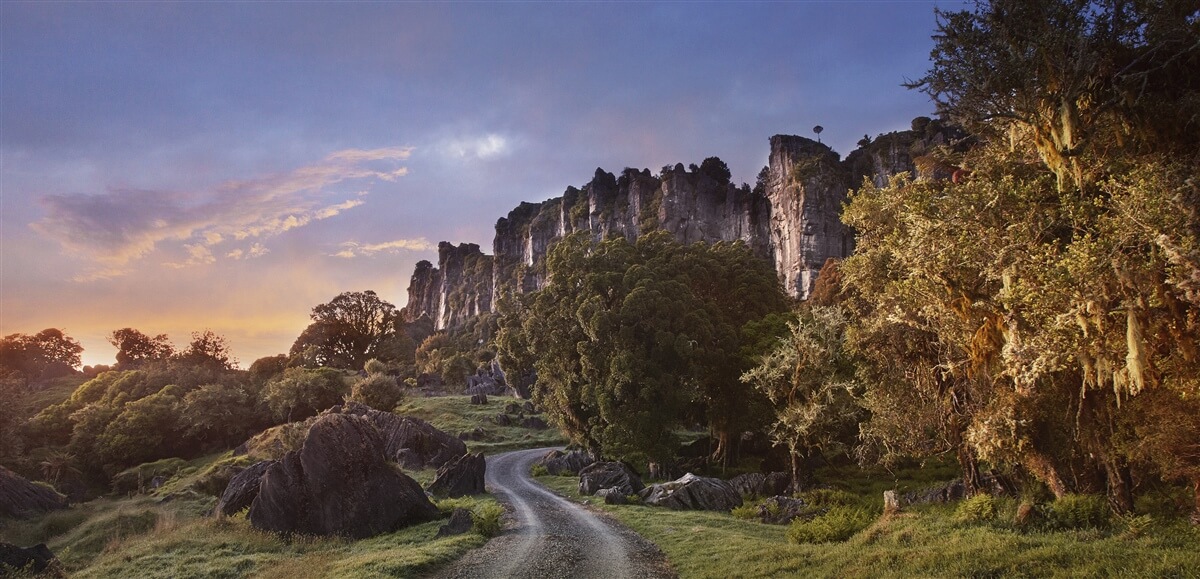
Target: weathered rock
{"type": "Point", "coordinates": [604, 475]}
{"type": "Point", "coordinates": [780, 510]}
{"type": "Point", "coordinates": [242, 488]}
{"type": "Point", "coordinates": [478, 399]}
{"type": "Point", "coordinates": [478, 433]}
{"type": "Point", "coordinates": [460, 522]}
{"type": "Point", "coordinates": [692, 493]}
{"type": "Point", "coordinates": [339, 483]}
{"type": "Point", "coordinates": [529, 408]}
{"type": "Point", "coordinates": [891, 502]}
{"type": "Point", "coordinates": [502, 420]}
{"type": "Point", "coordinates": [761, 485]}
{"type": "Point", "coordinates": [410, 441]}
{"type": "Point", "coordinates": [535, 423]}
{"type": "Point", "coordinates": [559, 462]}
{"type": "Point", "coordinates": [512, 408]}
{"type": "Point", "coordinates": [21, 499]}
{"type": "Point", "coordinates": [35, 559]}
{"type": "Point", "coordinates": [956, 490]}
{"type": "Point", "coordinates": [460, 477]}
{"type": "Point", "coordinates": [612, 496]}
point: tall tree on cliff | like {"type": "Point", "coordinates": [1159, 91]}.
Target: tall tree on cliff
{"type": "Point", "coordinates": [349, 330]}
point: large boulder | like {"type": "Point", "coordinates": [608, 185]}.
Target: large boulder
{"type": "Point", "coordinates": [21, 499]}
{"type": "Point", "coordinates": [607, 475]}
{"type": "Point", "coordinates": [339, 483]}
{"type": "Point", "coordinates": [559, 462]}
{"type": "Point", "coordinates": [35, 559]}
{"type": "Point", "coordinates": [460, 477]}
{"type": "Point", "coordinates": [755, 484]}
{"type": "Point", "coordinates": [780, 510]}
{"type": "Point", "coordinates": [412, 442]}
{"type": "Point", "coordinates": [692, 493]}
{"type": "Point", "coordinates": [612, 496]}
{"type": "Point", "coordinates": [460, 522]}
{"type": "Point", "coordinates": [242, 488]}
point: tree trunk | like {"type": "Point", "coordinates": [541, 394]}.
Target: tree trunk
{"type": "Point", "coordinates": [794, 487]}
{"type": "Point", "coordinates": [1119, 482]}
{"type": "Point", "coordinates": [1042, 469]}
{"type": "Point", "coordinates": [970, 470]}
{"type": "Point", "coordinates": [1196, 494]}
{"type": "Point", "coordinates": [721, 454]}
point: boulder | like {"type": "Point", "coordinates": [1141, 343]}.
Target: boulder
{"type": "Point", "coordinates": [502, 420]}
{"type": "Point", "coordinates": [242, 488]}
{"type": "Point", "coordinates": [35, 559]}
{"type": "Point", "coordinates": [780, 510]}
{"type": "Point", "coordinates": [535, 423]}
{"type": "Point", "coordinates": [460, 477]}
{"type": "Point", "coordinates": [605, 475]}
{"type": "Point", "coordinates": [479, 399]}
{"type": "Point", "coordinates": [559, 462]}
{"type": "Point", "coordinates": [410, 441]}
{"type": "Point", "coordinates": [460, 522]}
{"type": "Point", "coordinates": [512, 408]}
{"type": "Point", "coordinates": [529, 408]}
{"type": "Point", "coordinates": [612, 496]}
{"type": "Point", "coordinates": [478, 433]}
{"type": "Point", "coordinates": [21, 499]}
{"type": "Point", "coordinates": [692, 493]}
{"type": "Point", "coordinates": [761, 485]}
{"type": "Point", "coordinates": [339, 483]}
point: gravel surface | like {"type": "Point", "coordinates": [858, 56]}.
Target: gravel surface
{"type": "Point", "coordinates": [549, 536]}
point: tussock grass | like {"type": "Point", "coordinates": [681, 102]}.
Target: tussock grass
{"type": "Point", "coordinates": [456, 414]}
{"type": "Point", "coordinates": [924, 541]}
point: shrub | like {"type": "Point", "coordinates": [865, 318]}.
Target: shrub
{"type": "Point", "coordinates": [1078, 512]}
{"type": "Point", "coordinates": [539, 470]}
{"type": "Point", "coordinates": [300, 392]}
{"type": "Point", "coordinates": [977, 509]}
{"type": "Point", "coordinates": [836, 525]}
{"type": "Point", "coordinates": [378, 391]}
{"type": "Point", "coordinates": [831, 498]}
{"type": "Point", "coordinates": [374, 366]}
{"type": "Point", "coordinates": [745, 512]}
{"type": "Point", "coordinates": [488, 519]}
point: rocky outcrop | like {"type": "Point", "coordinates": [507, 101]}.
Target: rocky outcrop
{"type": "Point", "coordinates": [242, 489]}
{"type": "Point", "coordinates": [793, 217]}
{"type": "Point", "coordinates": [18, 560]}
{"type": "Point", "coordinates": [460, 477]}
{"type": "Point", "coordinates": [339, 483]}
{"type": "Point", "coordinates": [692, 493]}
{"type": "Point", "coordinates": [21, 499]}
{"type": "Point", "coordinates": [781, 510]}
{"type": "Point", "coordinates": [608, 475]}
{"type": "Point", "coordinates": [460, 522]}
{"type": "Point", "coordinates": [410, 441]}
{"type": "Point", "coordinates": [612, 496]}
{"type": "Point", "coordinates": [756, 484]}
{"type": "Point", "coordinates": [558, 462]}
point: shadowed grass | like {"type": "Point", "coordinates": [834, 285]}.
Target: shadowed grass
{"type": "Point", "coordinates": [921, 542]}
{"type": "Point", "coordinates": [456, 414]}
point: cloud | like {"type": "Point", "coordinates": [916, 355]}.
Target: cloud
{"type": "Point", "coordinates": [123, 225]}
{"type": "Point", "coordinates": [483, 147]}
{"type": "Point", "coordinates": [255, 250]}
{"type": "Point", "coordinates": [352, 249]}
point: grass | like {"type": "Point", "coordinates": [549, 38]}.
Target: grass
{"type": "Point", "coordinates": [456, 414]}
{"type": "Point", "coordinates": [926, 541]}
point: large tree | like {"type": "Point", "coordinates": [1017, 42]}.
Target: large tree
{"type": "Point", "coordinates": [45, 353]}
{"type": "Point", "coordinates": [135, 348]}
{"type": "Point", "coordinates": [349, 330]}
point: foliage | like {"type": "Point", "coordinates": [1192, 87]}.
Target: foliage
{"type": "Point", "coordinates": [630, 340]}
{"type": "Point", "coordinates": [208, 348]}
{"type": "Point", "coordinates": [379, 391]}
{"type": "Point", "coordinates": [980, 508]}
{"type": "Point", "coordinates": [350, 329]}
{"type": "Point", "coordinates": [267, 367]}
{"type": "Point", "coordinates": [46, 354]}
{"type": "Point", "coordinates": [301, 392]}
{"type": "Point", "coordinates": [838, 524]}
{"type": "Point", "coordinates": [487, 519]}
{"type": "Point", "coordinates": [1073, 511]}
{"type": "Point", "coordinates": [715, 168]}
{"type": "Point", "coordinates": [135, 348]}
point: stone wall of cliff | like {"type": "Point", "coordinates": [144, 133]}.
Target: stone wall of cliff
{"type": "Point", "coordinates": [792, 220]}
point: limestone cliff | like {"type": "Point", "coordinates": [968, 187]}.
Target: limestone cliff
{"type": "Point", "coordinates": [792, 219]}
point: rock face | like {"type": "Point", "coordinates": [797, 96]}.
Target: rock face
{"type": "Point", "coordinates": [780, 510]}
{"type": "Point", "coordinates": [558, 462]}
{"type": "Point", "coordinates": [412, 442]}
{"type": "Point", "coordinates": [792, 219]}
{"type": "Point", "coordinates": [339, 483]}
{"type": "Point", "coordinates": [35, 559]}
{"type": "Point", "coordinates": [242, 488]}
{"type": "Point", "coordinates": [761, 485]}
{"type": "Point", "coordinates": [460, 477]}
{"type": "Point", "coordinates": [20, 498]}
{"type": "Point", "coordinates": [692, 493]}
{"type": "Point", "coordinates": [608, 475]}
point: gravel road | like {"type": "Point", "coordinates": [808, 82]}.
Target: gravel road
{"type": "Point", "coordinates": [549, 536]}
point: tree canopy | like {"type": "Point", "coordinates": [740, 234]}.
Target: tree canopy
{"type": "Point", "coordinates": [351, 329]}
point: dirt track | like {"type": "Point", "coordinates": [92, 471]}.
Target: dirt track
{"type": "Point", "coordinates": [549, 536]}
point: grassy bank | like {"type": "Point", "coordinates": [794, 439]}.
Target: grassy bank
{"type": "Point", "coordinates": [456, 414]}
{"type": "Point", "coordinates": [929, 541]}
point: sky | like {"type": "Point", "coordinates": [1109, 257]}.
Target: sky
{"type": "Point", "coordinates": [181, 166]}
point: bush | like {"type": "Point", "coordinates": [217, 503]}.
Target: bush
{"type": "Point", "coordinates": [836, 525]}
{"type": "Point", "coordinates": [831, 498]}
{"type": "Point", "coordinates": [1078, 512]}
{"type": "Point", "coordinates": [374, 366]}
{"type": "Point", "coordinates": [539, 470]}
{"type": "Point", "coordinates": [977, 509]}
{"type": "Point", "coordinates": [488, 519]}
{"type": "Point", "coordinates": [378, 391]}
{"type": "Point", "coordinates": [745, 512]}
{"type": "Point", "coordinates": [300, 392]}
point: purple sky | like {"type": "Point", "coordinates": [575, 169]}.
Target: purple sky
{"type": "Point", "coordinates": [181, 166]}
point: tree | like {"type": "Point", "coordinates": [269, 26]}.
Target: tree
{"type": "Point", "coordinates": [379, 391]}
{"type": "Point", "coordinates": [208, 348]}
{"type": "Point", "coordinates": [717, 169]}
{"type": "Point", "coordinates": [301, 392]}
{"type": "Point", "coordinates": [135, 348]}
{"type": "Point", "coordinates": [349, 330]}
{"type": "Point", "coordinates": [48, 352]}
{"type": "Point", "coordinates": [810, 379]}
